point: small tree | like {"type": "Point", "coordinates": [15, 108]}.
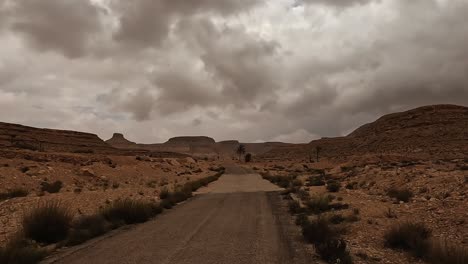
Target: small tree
{"type": "Point", "coordinates": [240, 151]}
{"type": "Point", "coordinates": [248, 157]}
{"type": "Point", "coordinates": [317, 152]}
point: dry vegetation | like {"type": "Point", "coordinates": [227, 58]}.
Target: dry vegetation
{"type": "Point", "coordinates": [369, 213]}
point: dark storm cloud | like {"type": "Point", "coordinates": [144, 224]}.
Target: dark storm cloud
{"type": "Point", "coordinates": [423, 63]}
{"type": "Point", "coordinates": [242, 64]}
{"type": "Point", "coordinates": [336, 3]}
{"type": "Point", "coordinates": [146, 23]}
{"type": "Point", "coordinates": [56, 25]}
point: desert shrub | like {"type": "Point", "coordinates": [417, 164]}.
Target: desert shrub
{"type": "Point", "coordinates": [346, 169]}
{"type": "Point", "coordinates": [180, 195]}
{"type": "Point", "coordinates": [14, 193]}
{"type": "Point", "coordinates": [333, 186]}
{"type": "Point", "coordinates": [319, 204]}
{"type": "Point", "coordinates": [51, 187]}
{"type": "Point", "coordinates": [198, 171]}
{"type": "Point", "coordinates": [297, 183]}
{"type": "Point", "coordinates": [351, 185]}
{"type": "Point", "coordinates": [87, 227]}
{"type": "Point", "coordinates": [164, 194]}
{"type": "Point", "coordinates": [248, 157]}
{"type": "Point", "coordinates": [338, 206]}
{"type": "Point", "coordinates": [47, 223]}
{"type": "Point", "coordinates": [390, 213]}
{"type": "Point", "coordinates": [84, 151]}
{"type": "Point", "coordinates": [315, 181]}
{"type": "Point", "coordinates": [152, 184]}
{"type": "Point", "coordinates": [282, 181]}
{"type": "Point", "coordinates": [302, 220]}
{"type": "Point", "coordinates": [20, 251]}
{"type": "Point", "coordinates": [167, 204]}
{"type": "Point", "coordinates": [443, 252]}
{"type": "Point", "coordinates": [303, 194]}
{"type": "Point", "coordinates": [336, 219]}
{"type": "Point", "coordinates": [412, 237]}
{"type": "Point", "coordinates": [352, 218]}
{"type": "Point", "coordinates": [128, 211]}
{"type": "Point", "coordinates": [295, 207]}
{"type": "Point", "coordinates": [334, 251]}
{"type": "Point", "coordinates": [28, 146]}
{"type": "Point", "coordinates": [318, 231]}
{"type": "Point", "coordinates": [403, 194]}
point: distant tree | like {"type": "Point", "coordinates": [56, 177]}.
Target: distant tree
{"type": "Point", "coordinates": [248, 157]}
{"type": "Point", "coordinates": [317, 152]}
{"type": "Point", "coordinates": [240, 151]}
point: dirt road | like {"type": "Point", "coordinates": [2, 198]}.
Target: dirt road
{"type": "Point", "coordinates": [238, 219]}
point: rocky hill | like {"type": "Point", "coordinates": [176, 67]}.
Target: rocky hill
{"type": "Point", "coordinates": [438, 131]}
{"type": "Point", "coordinates": [24, 137]}
{"type": "Point", "coordinates": [119, 141]}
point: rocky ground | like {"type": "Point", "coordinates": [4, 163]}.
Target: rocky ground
{"type": "Point", "coordinates": [88, 181]}
{"type": "Point", "coordinates": [439, 191]}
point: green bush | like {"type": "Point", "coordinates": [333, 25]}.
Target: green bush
{"type": "Point", "coordinates": [412, 237]}
{"type": "Point", "coordinates": [47, 223]}
{"type": "Point", "coordinates": [128, 212]}
{"type": "Point", "coordinates": [403, 194]}
{"type": "Point", "coordinates": [51, 188]}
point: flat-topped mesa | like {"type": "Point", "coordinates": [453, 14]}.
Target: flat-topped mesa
{"type": "Point", "coordinates": [229, 142]}
{"type": "Point", "coordinates": [119, 141]}
{"type": "Point", "coordinates": [24, 137]}
{"type": "Point", "coordinates": [190, 140]}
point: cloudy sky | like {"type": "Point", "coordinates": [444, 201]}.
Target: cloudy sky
{"type": "Point", "coordinates": [254, 70]}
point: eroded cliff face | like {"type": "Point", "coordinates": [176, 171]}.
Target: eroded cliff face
{"type": "Point", "coordinates": [50, 140]}
{"type": "Point", "coordinates": [439, 131]}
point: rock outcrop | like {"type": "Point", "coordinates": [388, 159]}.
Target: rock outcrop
{"type": "Point", "coordinates": [119, 141]}
{"type": "Point", "coordinates": [40, 139]}
{"type": "Point", "coordinates": [200, 141]}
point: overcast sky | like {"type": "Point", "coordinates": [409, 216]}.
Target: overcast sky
{"type": "Point", "coordinates": [254, 70]}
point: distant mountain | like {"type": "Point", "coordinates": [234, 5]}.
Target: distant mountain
{"type": "Point", "coordinates": [42, 139]}
{"type": "Point", "coordinates": [436, 131]}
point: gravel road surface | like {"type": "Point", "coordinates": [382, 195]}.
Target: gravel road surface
{"type": "Point", "coordinates": [238, 219]}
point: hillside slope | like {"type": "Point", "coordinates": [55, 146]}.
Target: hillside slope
{"type": "Point", "coordinates": [24, 137]}
{"type": "Point", "coordinates": [438, 131]}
